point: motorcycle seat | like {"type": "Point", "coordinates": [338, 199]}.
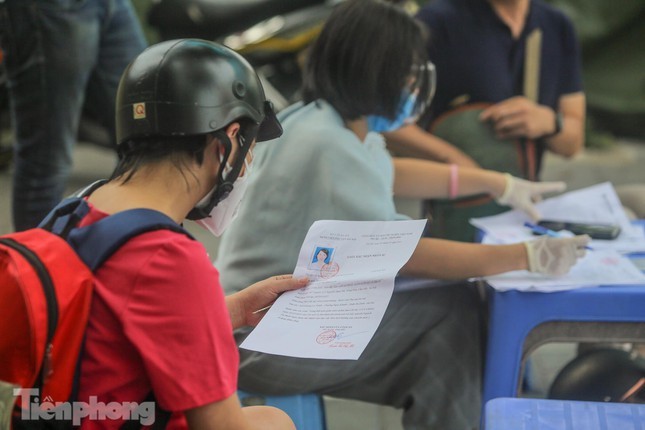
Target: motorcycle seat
{"type": "Point", "coordinates": [213, 19]}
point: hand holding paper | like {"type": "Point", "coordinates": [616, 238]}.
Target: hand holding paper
{"type": "Point", "coordinates": [246, 307]}
{"type": "Point", "coordinates": [351, 265]}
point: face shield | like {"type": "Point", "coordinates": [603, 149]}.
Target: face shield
{"type": "Point", "coordinates": [421, 90]}
{"type": "Point", "coordinates": [415, 99]}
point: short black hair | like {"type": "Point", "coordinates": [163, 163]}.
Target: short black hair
{"type": "Point", "coordinates": [360, 61]}
{"type": "Point", "coordinates": [138, 152]}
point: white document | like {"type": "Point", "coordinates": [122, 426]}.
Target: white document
{"type": "Point", "coordinates": [351, 266]}
{"type": "Point", "coordinates": [595, 204]}
{"type": "Point", "coordinates": [605, 267]}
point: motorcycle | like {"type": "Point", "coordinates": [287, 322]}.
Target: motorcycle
{"type": "Point", "coordinates": [272, 35]}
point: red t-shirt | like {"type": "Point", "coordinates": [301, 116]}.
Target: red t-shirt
{"type": "Point", "coordinates": [158, 323]}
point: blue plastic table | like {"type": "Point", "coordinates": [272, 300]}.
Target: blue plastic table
{"type": "Point", "coordinates": [538, 414]}
{"type": "Point", "coordinates": [521, 321]}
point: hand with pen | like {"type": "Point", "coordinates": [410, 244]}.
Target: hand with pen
{"type": "Point", "coordinates": [555, 255]}
{"type": "Point", "coordinates": [549, 255]}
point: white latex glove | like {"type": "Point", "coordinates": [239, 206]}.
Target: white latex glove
{"type": "Point", "coordinates": [555, 255]}
{"type": "Point", "coordinates": [521, 194]}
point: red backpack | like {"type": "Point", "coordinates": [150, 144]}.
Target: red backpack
{"type": "Point", "coordinates": [46, 284]}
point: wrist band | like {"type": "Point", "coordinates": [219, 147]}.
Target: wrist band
{"type": "Point", "coordinates": [454, 181]}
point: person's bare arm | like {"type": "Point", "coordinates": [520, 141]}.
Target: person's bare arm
{"type": "Point", "coordinates": [414, 178]}
{"type": "Point", "coordinates": [423, 179]}
{"type": "Point", "coordinates": [518, 117]}
{"type": "Point", "coordinates": [229, 415]}
{"type": "Point", "coordinates": [412, 141]}
{"type": "Point", "coordinates": [445, 259]}
{"type": "Point", "coordinates": [570, 141]}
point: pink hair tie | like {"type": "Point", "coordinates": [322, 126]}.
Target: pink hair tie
{"type": "Point", "coordinates": [454, 180]}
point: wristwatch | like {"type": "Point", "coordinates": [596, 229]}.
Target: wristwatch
{"type": "Point", "coordinates": [558, 125]}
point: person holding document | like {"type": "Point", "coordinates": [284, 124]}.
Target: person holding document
{"type": "Point", "coordinates": [160, 323]}
{"type": "Point", "coordinates": [367, 73]}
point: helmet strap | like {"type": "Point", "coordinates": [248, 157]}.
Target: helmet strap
{"type": "Point", "coordinates": [224, 184]}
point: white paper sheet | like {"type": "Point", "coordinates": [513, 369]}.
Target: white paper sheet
{"type": "Point", "coordinates": [605, 267]}
{"type": "Point", "coordinates": [596, 204]}
{"type": "Point", "coordinates": [7, 402]}
{"type": "Point", "coordinates": [336, 315]}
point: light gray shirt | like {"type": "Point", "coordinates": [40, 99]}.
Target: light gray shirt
{"type": "Point", "coordinates": [317, 170]}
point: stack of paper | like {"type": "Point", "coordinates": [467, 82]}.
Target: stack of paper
{"type": "Point", "coordinates": [603, 266]}
{"type": "Point", "coordinates": [596, 268]}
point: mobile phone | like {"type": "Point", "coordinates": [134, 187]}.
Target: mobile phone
{"type": "Point", "coordinates": [595, 231]}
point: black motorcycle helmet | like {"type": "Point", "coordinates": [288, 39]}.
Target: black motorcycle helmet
{"type": "Point", "coordinates": [601, 375]}
{"type": "Point", "coordinates": [191, 87]}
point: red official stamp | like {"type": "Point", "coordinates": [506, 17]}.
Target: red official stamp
{"type": "Point", "coordinates": [326, 337]}
{"type": "Point", "coordinates": [329, 270]}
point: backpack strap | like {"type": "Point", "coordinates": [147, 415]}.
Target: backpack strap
{"type": "Point", "coordinates": [95, 243]}
{"type": "Point", "coordinates": [65, 216]}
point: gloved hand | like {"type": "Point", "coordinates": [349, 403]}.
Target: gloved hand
{"type": "Point", "coordinates": [521, 194]}
{"type": "Point", "coordinates": [555, 255]}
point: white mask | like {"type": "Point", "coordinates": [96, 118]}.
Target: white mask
{"type": "Point", "coordinates": [222, 215]}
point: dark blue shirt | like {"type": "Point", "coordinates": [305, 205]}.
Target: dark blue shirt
{"type": "Point", "coordinates": [478, 60]}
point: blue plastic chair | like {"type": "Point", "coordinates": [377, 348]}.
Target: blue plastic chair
{"type": "Point", "coordinates": [306, 410]}
{"type": "Point", "coordinates": [522, 321]}
{"type": "Point", "coordinates": [540, 414]}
